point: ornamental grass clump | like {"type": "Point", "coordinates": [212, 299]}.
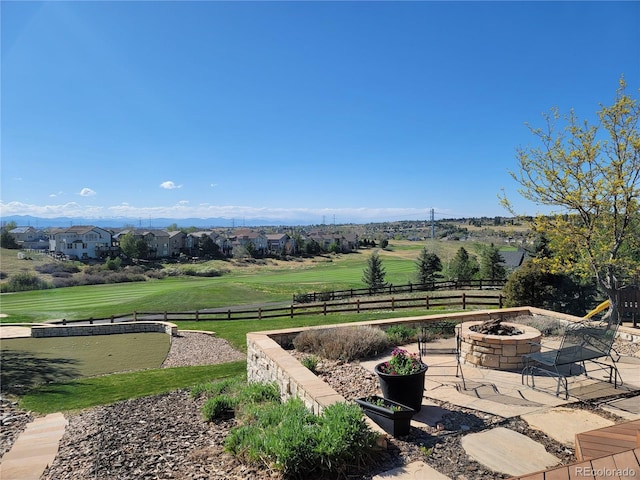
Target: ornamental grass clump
{"type": "Point", "coordinates": [402, 363]}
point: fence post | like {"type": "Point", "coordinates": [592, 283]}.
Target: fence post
{"type": "Point", "coordinates": [259, 313]}
{"type": "Point", "coordinates": [464, 301]}
{"type": "Point", "coordinates": [500, 300]}
{"type": "Point", "coordinates": [229, 314]}
{"type": "Point", "coordinates": [324, 309]}
{"type": "Point", "coordinates": [90, 320]}
{"type": "Point", "coordinates": [165, 315]}
{"type": "Point", "coordinates": [135, 316]}
{"type": "Point", "coordinates": [357, 305]}
{"type": "Point", "coordinates": [111, 319]}
{"type": "Point", "coordinates": [292, 310]}
{"type": "Point", "coordinates": [197, 316]}
{"type": "Point", "coordinates": [393, 304]}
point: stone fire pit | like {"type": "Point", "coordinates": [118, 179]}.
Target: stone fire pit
{"type": "Point", "coordinates": [500, 351]}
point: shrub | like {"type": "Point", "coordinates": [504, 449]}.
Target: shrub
{"type": "Point", "coordinates": [311, 362]}
{"type": "Point", "coordinates": [22, 282]}
{"type": "Point", "coordinates": [51, 268]}
{"type": "Point", "coordinates": [401, 334]}
{"type": "Point", "coordinates": [289, 438]}
{"type": "Point", "coordinates": [220, 406]}
{"type": "Point", "coordinates": [344, 343]}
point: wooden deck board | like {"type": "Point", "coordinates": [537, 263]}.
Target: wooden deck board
{"type": "Point", "coordinates": [607, 440]}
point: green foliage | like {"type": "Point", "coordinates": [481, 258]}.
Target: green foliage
{"type": "Point", "coordinates": [491, 267]}
{"type": "Point", "coordinates": [428, 265]}
{"type": "Point", "coordinates": [400, 334]}
{"type": "Point", "coordinates": [463, 267]}
{"type": "Point", "coordinates": [374, 273]}
{"type": "Point", "coordinates": [402, 363]}
{"type": "Point", "coordinates": [289, 438]}
{"type": "Point", "coordinates": [7, 240]}
{"type": "Point", "coordinates": [310, 362]}
{"type": "Point", "coordinates": [23, 282]}
{"type": "Point", "coordinates": [591, 174]}
{"type": "Point", "coordinates": [346, 343]}
{"type": "Point", "coordinates": [114, 264]}
{"type": "Point", "coordinates": [225, 397]}
{"type": "Point", "coordinates": [534, 285]}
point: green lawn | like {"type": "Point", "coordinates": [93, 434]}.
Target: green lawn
{"type": "Point", "coordinates": [29, 362]}
{"type": "Point", "coordinates": [268, 284]}
{"type": "Point", "coordinates": [90, 392]}
{"type": "Point", "coordinates": [67, 366]}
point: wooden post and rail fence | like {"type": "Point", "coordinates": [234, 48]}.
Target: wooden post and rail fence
{"type": "Point", "coordinates": [458, 301]}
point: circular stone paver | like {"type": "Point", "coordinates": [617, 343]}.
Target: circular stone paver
{"type": "Point", "coordinates": [505, 451]}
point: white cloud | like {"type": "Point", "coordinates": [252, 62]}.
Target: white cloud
{"type": "Point", "coordinates": [213, 185]}
{"type": "Point", "coordinates": [185, 210]}
{"type": "Point", "coordinates": [87, 192]}
{"type": "Point", "coordinates": [183, 202]}
{"type": "Point", "coordinates": [169, 185]}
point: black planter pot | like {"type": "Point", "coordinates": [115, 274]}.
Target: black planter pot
{"type": "Point", "coordinates": [393, 417]}
{"type": "Point", "coordinates": [404, 389]}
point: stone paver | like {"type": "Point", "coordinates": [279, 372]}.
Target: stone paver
{"type": "Point", "coordinates": [412, 471]}
{"type": "Point", "coordinates": [503, 450]}
{"type": "Point", "coordinates": [562, 424]}
{"type": "Point", "coordinates": [34, 449]}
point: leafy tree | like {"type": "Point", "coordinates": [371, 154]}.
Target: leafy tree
{"type": "Point", "coordinates": [133, 247]}
{"type": "Point", "coordinates": [384, 243]}
{"type": "Point", "coordinates": [428, 265]}
{"type": "Point", "coordinates": [535, 286]}
{"type": "Point", "coordinates": [592, 172]}
{"type": "Point", "coordinates": [128, 245]}
{"type": "Point", "coordinates": [491, 263]}
{"type": "Point", "coordinates": [463, 266]}
{"type": "Point", "coordinates": [374, 273]}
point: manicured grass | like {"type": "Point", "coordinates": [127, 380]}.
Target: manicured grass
{"type": "Point", "coordinates": [268, 283]}
{"type": "Point", "coordinates": [108, 389]}
{"type": "Point", "coordinates": [33, 361]}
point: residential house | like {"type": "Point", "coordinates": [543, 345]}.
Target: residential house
{"type": "Point", "coordinates": [29, 237]}
{"type": "Point", "coordinates": [243, 237]}
{"type": "Point", "coordinates": [177, 243]}
{"type": "Point", "coordinates": [81, 242]}
{"type": "Point", "coordinates": [278, 243]}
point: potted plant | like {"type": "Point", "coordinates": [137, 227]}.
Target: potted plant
{"type": "Point", "coordinates": [402, 378]}
{"type": "Point", "coordinates": [393, 417]}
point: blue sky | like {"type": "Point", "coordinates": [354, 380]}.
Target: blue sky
{"type": "Point", "coordinates": [342, 111]}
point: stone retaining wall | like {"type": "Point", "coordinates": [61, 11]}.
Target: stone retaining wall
{"type": "Point", "coordinates": [103, 329]}
{"type": "Point", "coordinates": [268, 361]}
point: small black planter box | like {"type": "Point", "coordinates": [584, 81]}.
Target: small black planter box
{"type": "Point", "coordinates": [393, 417]}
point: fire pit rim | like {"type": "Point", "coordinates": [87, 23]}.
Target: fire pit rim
{"type": "Point", "coordinates": [528, 333]}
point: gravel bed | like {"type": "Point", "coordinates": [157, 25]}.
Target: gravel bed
{"type": "Point", "coordinates": [164, 436]}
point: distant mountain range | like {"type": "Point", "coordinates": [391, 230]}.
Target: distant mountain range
{"type": "Point", "coordinates": [114, 223]}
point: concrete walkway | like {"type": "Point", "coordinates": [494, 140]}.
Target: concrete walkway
{"type": "Point", "coordinates": [34, 450]}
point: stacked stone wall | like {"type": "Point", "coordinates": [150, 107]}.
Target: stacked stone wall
{"type": "Point", "coordinates": [103, 329]}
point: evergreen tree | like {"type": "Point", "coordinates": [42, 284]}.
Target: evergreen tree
{"type": "Point", "coordinates": [374, 273]}
{"type": "Point", "coordinates": [429, 265]}
{"type": "Point", "coordinates": [491, 261]}
{"type": "Point", "coordinates": [463, 266]}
